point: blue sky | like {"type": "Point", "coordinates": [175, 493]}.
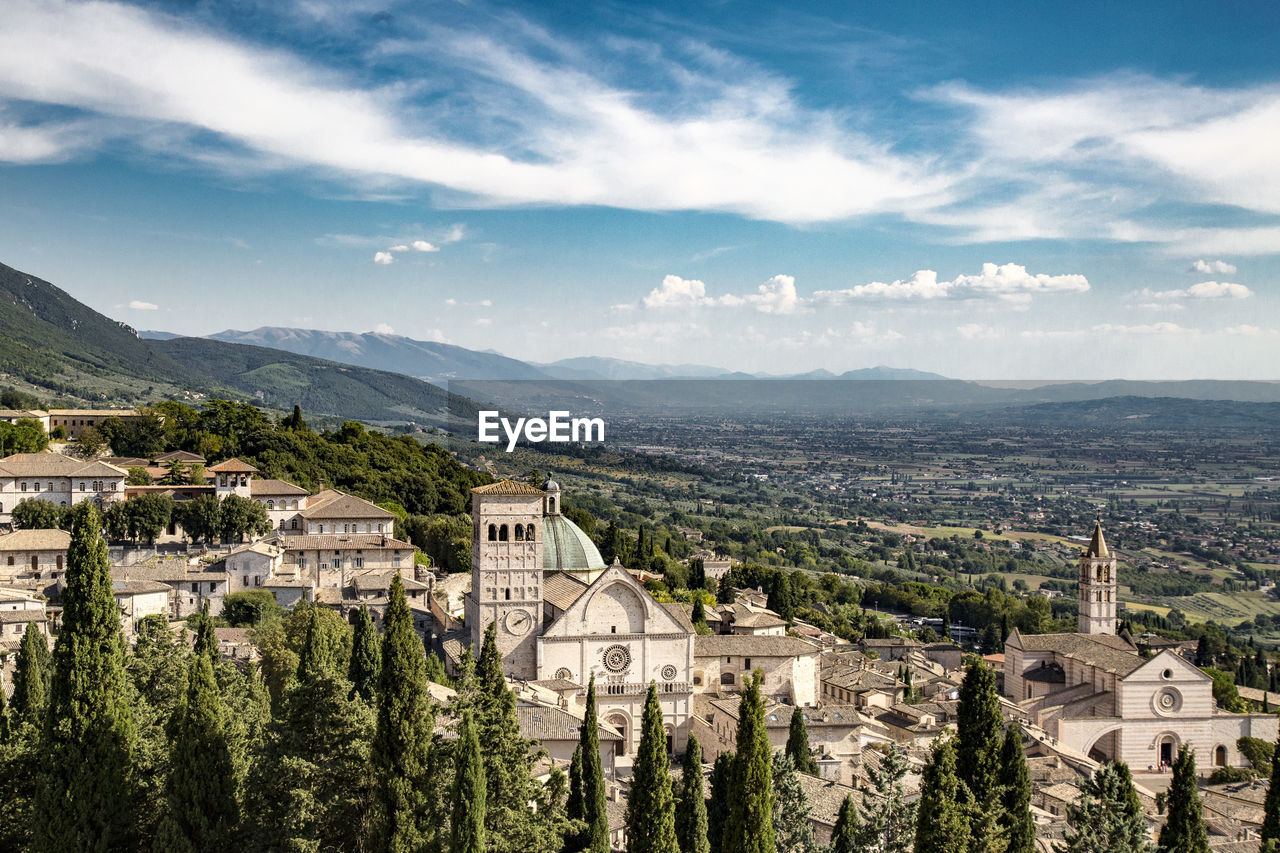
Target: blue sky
{"type": "Point", "coordinates": [1016, 190]}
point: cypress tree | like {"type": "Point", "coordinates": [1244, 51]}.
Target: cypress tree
{"type": "Point", "coordinates": [366, 656]}
{"type": "Point", "coordinates": [798, 744]}
{"type": "Point", "coordinates": [574, 806]}
{"type": "Point", "coordinates": [202, 811]}
{"type": "Point", "coordinates": [699, 617]}
{"type": "Point", "coordinates": [1184, 830]}
{"type": "Point", "coordinates": [402, 741]}
{"type": "Point", "coordinates": [5, 727]}
{"type": "Point", "coordinates": [718, 804]}
{"type": "Point", "coordinates": [792, 832]}
{"type": "Point", "coordinates": [750, 825]}
{"type": "Point", "coordinates": [466, 827]}
{"type": "Point", "coordinates": [1015, 784]}
{"type": "Point", "coordinates": [942, 822]}
{"type": "Point", "coordinates": [1108, 817]}
{"type": "Point", "coordinates": [436, 671]}
{"type": "Point", "coordinates": [206, 641]}
{"type": "Point", "coordinates": [651, 818]}
{"type": "Point", "coordinates": [691, 807]}
{"type": "Point", "coordinates": [85, 792]}
{"type": "Point", "coordinates": [890, 825]}
{"type": "Point", "coordinates": [780, 600]}
{"type": "Point", "coordinates": [595, 838]}
{"type": "Point", "coordinates": [31, 678]}
{"type": "Point", "coordinates": [978, 737]}
{"type": "Point", "coordinates": [1271, 823]}
{"type": "Point", "coordinates": [846, 836]}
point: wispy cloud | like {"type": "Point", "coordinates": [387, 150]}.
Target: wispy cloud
{"type": "Point", "coordinates": [1212, 267]}
{"type": "Point", "coordinates": [1203, 290]}
{"type": "Point", "coordinates": [139, 305]}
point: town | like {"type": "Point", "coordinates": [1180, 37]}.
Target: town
{"type": "Point", "coordinates": [207, 552]}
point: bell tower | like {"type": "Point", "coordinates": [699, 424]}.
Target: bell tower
{"type": "Point", "coordinates": [506, 572]}
{"type": "Point", "coordinates": [1097, 586]}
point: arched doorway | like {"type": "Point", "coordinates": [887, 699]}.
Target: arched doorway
{"type": "Point", "coordinates": [622, 723]}
{"type": "Point", "coordinates": [1220, 756]}
{"type": "Point", "coordinates": [1167, 749]}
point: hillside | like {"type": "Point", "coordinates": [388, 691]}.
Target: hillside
{"type": "Point", "coordinates": [429, 361]}
{"type": "Point", "coordinates": [51, 341]}
{"type": "Point", "coordinates": [282, 380]}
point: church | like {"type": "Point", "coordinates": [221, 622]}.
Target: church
{"type": "Point", "coordinates": [1096, 694]}
{"type": "Point", "coordinates": [562, 615]}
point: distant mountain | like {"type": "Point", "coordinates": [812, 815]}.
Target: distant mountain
{"type": "Point", "coordinates": [282, 380]}
{"type": "Point", "coordinates": [429, 361]}
{"type": "Point", "coordinates": [154, 335]}
{"type": "Point", "coordinates": [598, 367]}
{"type": "Point", "coordinates": [1138, 414]}
{"type": "Point", "coordinates": [51, 340]}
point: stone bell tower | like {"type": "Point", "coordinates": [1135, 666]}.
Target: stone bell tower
{"type": "Point", "coordinates": [1097, 586]}
{"type": "Point", "coordinates": [506, 572]}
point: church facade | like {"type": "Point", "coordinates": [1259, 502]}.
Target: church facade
{"type": "Point", "coordinates": [1096, 694]}
{"type": "Point", "coordinates": [562, 614]}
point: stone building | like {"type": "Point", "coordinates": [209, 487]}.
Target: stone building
{"type": "Point", "coordinates": [58, 479]}
{"type": "Point", "coordinates": [1095, 693]}
{"type": "Point", "coordinates": [561, 613]}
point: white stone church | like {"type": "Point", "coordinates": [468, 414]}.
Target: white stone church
{"type": "Point", "coordinates": [563, 615]}
{"type": "Point", "coordinates": [1096, 694]}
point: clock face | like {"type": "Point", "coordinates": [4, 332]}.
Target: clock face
{"type": "Point", "coordinates": [518, 622]}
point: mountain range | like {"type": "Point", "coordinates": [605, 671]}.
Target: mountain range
{"type": "Point", "coordinates": [60, 347]}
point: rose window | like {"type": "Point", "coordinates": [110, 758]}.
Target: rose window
{"type": "Point", "coordinates": [563, 673]}
{"type": "Point", "coordinates": [668, 672]}
{"type": "Point", "coordinates": [1168, 701]}
{"type": "Point", "coordinates": [617, 658]}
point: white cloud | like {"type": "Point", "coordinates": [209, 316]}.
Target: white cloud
{"type": "Point", "coordinates": [1009, 282]}
{"type": "Point", "coordinates": [382, 258]}
{"type": "Point", "coordinates": [675, 292]}
{"type": "Point", "coordinates": [451, 302]}
{"type": "Point", "coordinates": [383, 329]}
{"type": "Point", "coordinates": [1213, 267]}
{"type": "Point", "coordinates": [775, 296]}
{"type": "Point", "coordinates": [423, 246]}
{"type": "Point", "coordinates": [977, 332]}
{"type": "Point", "coordinates": [1203, 290]}
{"type": "Point", "coordinates": [139, 305]}
{"type": "Point", "coordinates": [1250, 331]}
{"type": "Point", "coordinates": [400, 248]}
{"type": "Point", "coordinates": [1160, 306]}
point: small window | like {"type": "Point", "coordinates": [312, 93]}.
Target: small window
{"type": "Point", "coordinates": [528, 533]}
{"type": "Point", "coordinates": [726, 678]}
{"type": "Point", "coordinates": [493, 533]}
{"type": "Point", "coordinates": [503, 535]}
{"type": "Point", "coordinates": [1167, 675]}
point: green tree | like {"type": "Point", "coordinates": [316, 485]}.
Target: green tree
{"type": "Point", "coordinates": [792, 832]}
{"type": "Point", "coordinates": [200, 517]}
{"type": "Point", "coordinates": [846, 836]}
{"type": "Point", "coordinates": [890, 823]}
{"type": "Point", "coordinates": [250, 607]}
{"type": "Point", "coordinates": [1108, 816]}
{"type": "Point", "coordinates": [401, 748]}
{"type": "Point", "coordinates": [798, 744]}
{"type": "Point", "coordinates": [240, 517]}
{"type": "Point", "coordinates": [750, 825]}
{"type": "Point", "coordinates": [1015, 786]}
{"type": "Point", "coordinates": [436, 671]}
{"type": "Point", "coordinates": [651, 820]}
{"type": "Point", "coordinates": [39, 514]}
{"type": "Point", "coordinates": [202, 809]}
{"type": "Point", "coordinates": [595, 837]}
{"type": "Point", "coordinates": [466, 826]}
{"type": "Point", "coordinates": [206, 643]}
{"type": "Point", "coordinates": [313, 783]}
{"type": "Point", "coordinates": [691, 806]}
{"type": "Point", "coordinates": [718, 804]}
{"type": "Point", "coordinates": [575, 806]}
{"type": "Point", "coordinates": [699, 617]}
{"type": "Point", "coordinates": [31, 675]}
{"type": "Point", "coordinates": [138, 476]}
{"type": "Point", "coordinates": [780, 600]}
{"type": "Point", "coordinates": [85, 792]}
{"type": "Point", "coordinates": [366, 656]}
{"type": "Point", "coordinates": [978, 736]}
{"type": "Point", "coordinates": [1184, 830]}
{"type": "Point", "coordinates": [942, 821]}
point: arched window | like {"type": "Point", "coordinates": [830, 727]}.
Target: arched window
{"type": "Point", "coordinates": [1099, 573]}
{"type": "Point", "coordinates": [493, 533]}
{"type": "Point", "coordinates": [508, 592]}
{"type": "Point", "coordinates": [503, 535]}
{"type": "Point", "coordinates": [528, 533]}
{"type": "Point", "coordinates": [271, 505]}
{"type": "Point", "coordinates": [519, 532]}
{"type": "Point", "coordinates": [1220, 756]}
{"type": "Point", "coordinates": [726, 678]}
{"type": "Point", "coordinates": [551, 504]}
{"type": "Point", "coordinates": [293, 524]}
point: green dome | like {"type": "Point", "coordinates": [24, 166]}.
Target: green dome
{"type": "Point", "coordinates": [566, 548]}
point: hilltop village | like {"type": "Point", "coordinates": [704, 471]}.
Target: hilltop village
{"type": "Point", "coordinates": [564, 620]}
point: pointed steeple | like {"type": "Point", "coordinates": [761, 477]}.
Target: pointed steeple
{"type": "Point", "coordinates": [1098, 545]}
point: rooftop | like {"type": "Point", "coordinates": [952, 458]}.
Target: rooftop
{"type": "Point", "coordinates": [508, 488]}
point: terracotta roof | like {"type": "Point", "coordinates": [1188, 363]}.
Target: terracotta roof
{"type": "Point", "coordinates": [35, 540]}
{"type": "Point", "coordinates": [95, 413]}
{"type": "Point", "coordinates": [275, 487]}
{"type": "Point", "coordinates": [678, 612]}
{"type": "Point", "coordinates": [747, 645]}
{"type": "Point", "coordinates": [1104, 651]}
{"type": "Point", "coordinates": [759, 620]}
{"type": "Point", "coordinates": [543, 723]}
{"type": "Point", "coordinates": [232, 466]}
{"type": "Point", "coordinates": [561, 589]}
{"type": "Point", "coordinates": [9, 617]}
{"type": "Point", "coordinates": [137, 587]}
{"type": "Point", "coordinates": [382, 581]}
{"type": "Point", "coordinates": [179, 456]}
{"type": "Point", "coordinates": [505, 488]}
{"type": "Point", "coordinates": [54, 465]}
{"type": "Point", "coordinates": [334, 504]}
